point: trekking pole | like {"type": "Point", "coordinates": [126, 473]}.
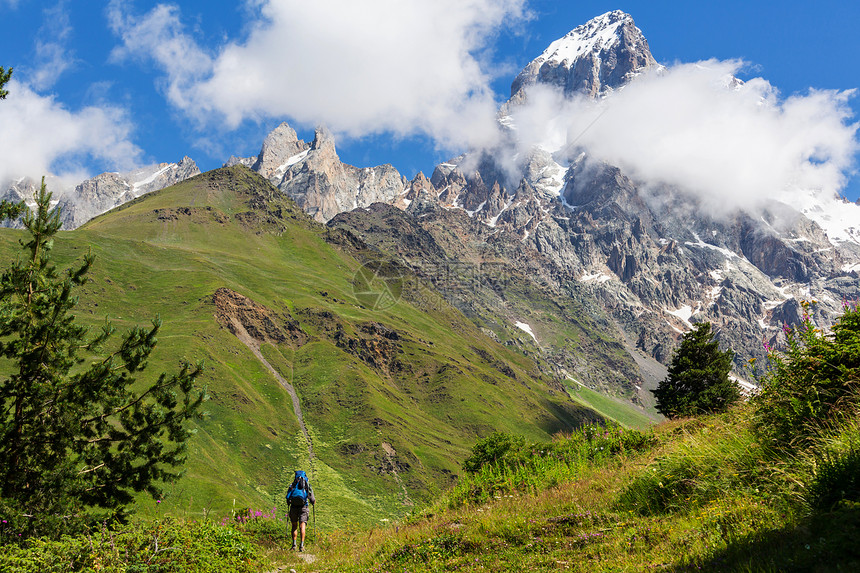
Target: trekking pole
{"type": "Point", "coordinates": [314, 536]}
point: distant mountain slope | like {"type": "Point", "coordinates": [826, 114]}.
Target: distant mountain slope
{"type": "Point", "coordinates": [103, 192]}
{"type": "Point", "coordinates": [497, 281]}
{"type": "Point", "coordinates": [392, 397]}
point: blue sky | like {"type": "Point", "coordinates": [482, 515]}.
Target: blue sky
{"type": "Point", "coordinates": [108, 85]}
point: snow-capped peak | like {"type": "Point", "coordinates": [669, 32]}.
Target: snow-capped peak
{"type": "Point", "coordinates": [596, 35]}
{"type": "Point", "coordinates": [602, 55]}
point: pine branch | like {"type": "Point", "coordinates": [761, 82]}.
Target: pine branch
{"type": "Point", "coordinates": [101, 465]}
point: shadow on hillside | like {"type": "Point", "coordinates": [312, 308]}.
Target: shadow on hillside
{"type": "Point", "coordinates": [823, 542]}
{"type": "Point", "coordinates": [566, 416]}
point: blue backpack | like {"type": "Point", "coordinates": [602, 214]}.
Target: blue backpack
{"type": "Point", "coordinates": [298, 492]}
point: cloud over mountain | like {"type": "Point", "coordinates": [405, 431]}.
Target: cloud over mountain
{"type": "Point", "coordinates": [695, 127]}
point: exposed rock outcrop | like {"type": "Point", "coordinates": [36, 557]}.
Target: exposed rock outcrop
{"type": "Point", "coordinates": [314, 176]}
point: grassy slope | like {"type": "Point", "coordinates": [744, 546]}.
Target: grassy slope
{"type": "Point", "coordinates": [694, 495]}
{"type": "Point", "coordinates": [168, 252]}
{"type": "Point", "coordinates": [728, 508]}
{"type": "Point", "coordinates": [612, 408]}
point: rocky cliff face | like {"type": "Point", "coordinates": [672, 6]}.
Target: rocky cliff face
{"type": "Point", "coordinates": [497, 280]}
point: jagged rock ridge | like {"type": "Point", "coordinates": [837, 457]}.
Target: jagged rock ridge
{"type": "Point", "coordinates": [103, 192]}
{"type": "Point", "coordinates": [313, 175]}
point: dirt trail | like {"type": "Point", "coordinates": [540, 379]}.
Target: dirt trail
{"type": "Point", "coordinates": [390, 455]}
{"type": "Point", "coordinates": [238, 314]}
{"type": "Point", "coordinates": [306, 557]}
{"type": "Point", "coordinates": [254, 347]}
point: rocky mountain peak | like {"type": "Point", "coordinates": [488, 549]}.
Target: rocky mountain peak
{"type": "Point", "coordinates": [592, 59]}
{"type": "Point", "coordinates": [186, 163]}
{"type": "Point", "coordinates": [323, 140]}
{"type": "Point", "coordinates": [279, 146]}
{"type": "Point", "coordinates": [314, 176]}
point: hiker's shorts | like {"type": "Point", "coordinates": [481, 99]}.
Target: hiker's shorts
{"type": "Point", "coordinates": [299, 513]}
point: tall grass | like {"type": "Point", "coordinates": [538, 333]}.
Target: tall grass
{"type": "Point", "coordinates": [709, 459]}
{"type": "Point", "coordinates": [531, 468]}
{"type": "Point", "coordinates": [834, 466]}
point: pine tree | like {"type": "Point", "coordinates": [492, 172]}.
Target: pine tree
{"type": "Point", "coordinates": [5, 76]}
{"type": "Point", "coordinates": [77, 430]}
{"type": "Point", "coordinates": [698, 380]}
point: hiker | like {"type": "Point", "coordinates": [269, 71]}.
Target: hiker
{"type": "Point", "coordinates": [298, 496]}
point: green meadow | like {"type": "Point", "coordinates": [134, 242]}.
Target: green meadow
{"type": "Point", "coordinates": [421, 381]}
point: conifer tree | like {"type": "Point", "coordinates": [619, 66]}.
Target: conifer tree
{"type": "Point", "coordinates": [77, 430]}
{"type": "Point", "coordinates": [698, 380]}
{"type": "Point", "coordinates": [5, 76]}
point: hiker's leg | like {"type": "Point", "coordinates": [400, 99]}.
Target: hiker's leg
{"type": "Point", "coordinates": [303, 526]}
{"type": "Point", "coordinates": [295, 530]}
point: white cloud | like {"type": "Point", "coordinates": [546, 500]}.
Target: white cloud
{"type": "Point", "coordinates": [161, 37]}
{"type": "Point", "coordinates": [401, 66]}
{"type": "Point", "coordinates": [52, 55]}
{"type": "Point", "coordinates": [691, 127]}
{"type": "Point", "coordinates": [39, 136]}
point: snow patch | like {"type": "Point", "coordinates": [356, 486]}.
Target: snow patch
{"type": "Point", "coordinates": [597, 35]}
{"type": "Point", "coordinates": [703, 245]}
{"type": "Point", "coordinates": [151, 178]}
{"type": "Point", "coordinates": [493, 220]}
{"type": "Point", "coordinates": [480, 208]}
{"type": "Point", "coordinates": [747, 388]}
{"type": "Point", "coordinates": [839, 219]}
{"type": "Point", "coordinates": [772, 304]}
{"type": "Point", "coordinates": [685, 313]}
{"type": "Point", "coordinates": [527, 329]}
{"type": "Point", "coordinates": [290, 162]}
{"type": "Point", "coordinates": [551, 178]}
{"type": "Point", "coordinates": [597, 278]}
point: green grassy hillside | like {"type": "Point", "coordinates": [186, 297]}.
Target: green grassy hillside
{"type": "Point", "coordinates": [392, 396]}
{"type": "Point", "coordinates": [612, 408]}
